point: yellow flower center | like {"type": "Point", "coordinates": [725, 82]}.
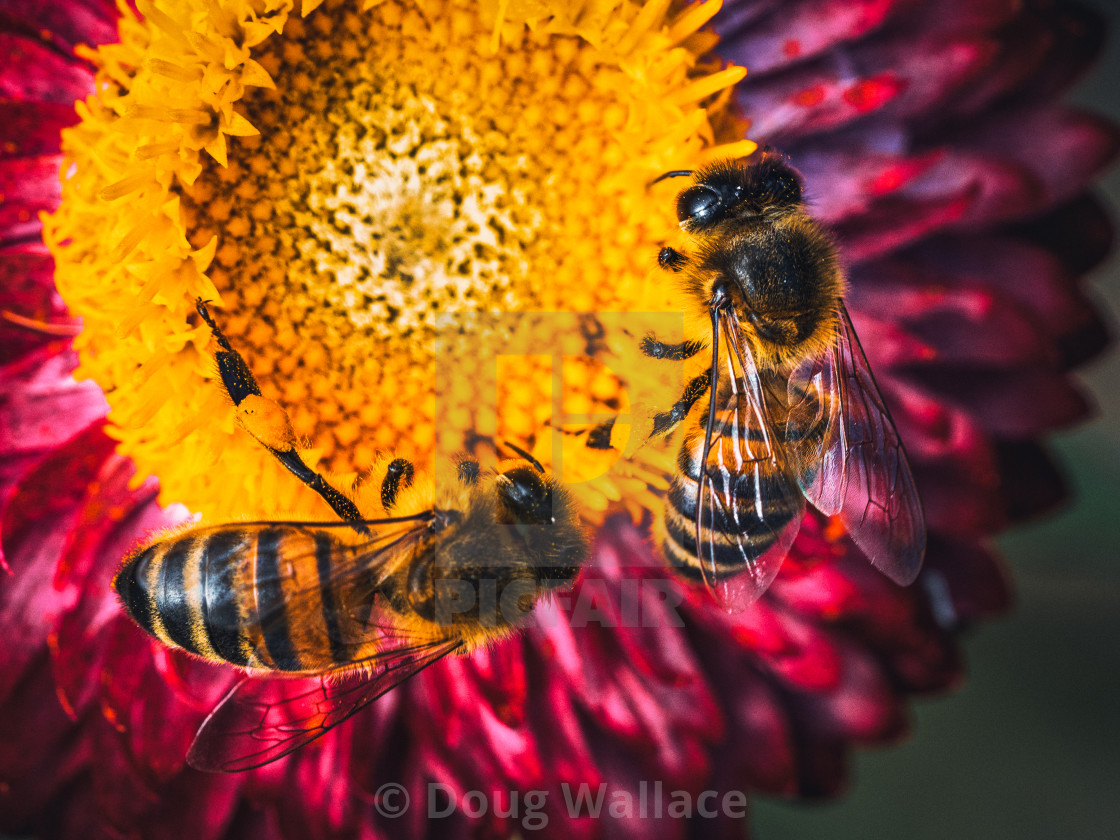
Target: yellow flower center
{"type": "Point", "coordinates": [352, 187]}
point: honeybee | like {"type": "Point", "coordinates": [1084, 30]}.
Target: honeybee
{"type": "Point", "coordinates": [793, 412]}
{"type": "Point", "coordinates": [356, 604]}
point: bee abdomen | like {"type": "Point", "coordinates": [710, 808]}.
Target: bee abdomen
{"type": "Point", "coordinates": [745, 512]}
{"type": "Point", "coordinates": [223, 617]}
{"type": "Point", "coordinates": [183, 591]}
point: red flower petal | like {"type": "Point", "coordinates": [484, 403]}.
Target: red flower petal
{"type": "Point", "coordinates": [35, 72]}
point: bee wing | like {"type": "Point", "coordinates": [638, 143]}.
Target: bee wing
{"type": "Point", "coordinates": [749, 508]}
{"type": "Point", "coordinates": [850, 460]}
{"type": "Point", "coordinates": [262, 720]}
{"type": "Point", "coordinates": [306, 585]}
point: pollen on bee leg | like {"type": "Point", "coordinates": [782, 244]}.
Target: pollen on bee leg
{"type": "Point", "coordinates": [266, 421]}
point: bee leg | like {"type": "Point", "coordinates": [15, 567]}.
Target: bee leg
{"type": "Point", "coordinates": [600, 436]}
{"type": "Point", "coordinates": [398, 475]}
{"type": "Point", "coordinates": [665, 421]}
{"type": "Point", "coordinates": [268, 423]}
{"type": "Point", "coordinates": [655, 349]}
{"type": "Point", "coordinates": [671, 259]}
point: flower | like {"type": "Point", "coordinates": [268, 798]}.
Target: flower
{"type": "Point", "coordinates": [915, 155]}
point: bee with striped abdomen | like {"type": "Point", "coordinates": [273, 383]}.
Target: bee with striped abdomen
{"type": "Point", "coordinates": [793, 411]}
{"type": "Point", "coordinates": [358, 604]}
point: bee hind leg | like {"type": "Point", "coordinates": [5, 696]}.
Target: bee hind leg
{"type": "Point", "coordinates": [268, 423]}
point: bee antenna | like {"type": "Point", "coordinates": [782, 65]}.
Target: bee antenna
{"type": "Point", "coordinates": [536, 464]}
{"type": "Point", "coordinates": [676, 173]}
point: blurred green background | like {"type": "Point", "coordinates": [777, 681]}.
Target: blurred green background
{"type": "Point", "coordinates": [1029, 747]}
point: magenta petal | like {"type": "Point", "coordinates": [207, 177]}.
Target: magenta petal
{"type": "Point", "coordinates": [891, 78]}
{"type": "Point", "coordinates": [1015, 403]}
{"type": "Point", "coordinates": [35, 72]}
{"type": "Point", "coordinates": [30, 129]}
{"type": "Point", "coordinates": [793, 34]}
{"type": "Point", "coordinates": [43, 406]}
{"type": "Point", "coordinates": [1031, 278]}
{"type": "Point", "coordinates": [29, 185]}
{"type": "Point", "coordinates": [972, 327]}
{"type": "Point", "coordinates": [846, 182]}
{"type": "Point", "coordinates": [26, 274]}
{"type": "Point", "coordinates": [861, 708]}
{"type": "Point", "coordinates": [1067, 149]}
{"type": "Point", "coordinates": [62, 23]}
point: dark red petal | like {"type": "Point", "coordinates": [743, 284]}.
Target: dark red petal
{"type": "Point", "coordinates": [1033, 278]}
{"type": "Point", "coordinates": [899, 221]}
{"type": "Point", "coordinates": [35, 522]}
{"type": "Point", "coordinates": [965, 582]}
{"type": "Point", "coordinates": [1067, 148]}
{"type": "Point", "coordinates": [41, 406]}
{"type": "Point", "coordinates": [44, 755]}
{"type": "Point", "coordinates": [34, 72]}
{"type": "Point", "coordinates": [960, 504]}
{"type": "Point", "coordinates": [961, 327]}
{"type": "Point", "coordinates": [1015, 403]}
{"type": "Point", "coordinates": [1078, 232]}
{"type": "Point", "coordinates": [28, 185]}
{"type": "Point", "coordinates": [883, 75]}
{"type": "Point", "coordinates": [30, 300]}
{"type": "Point", "coordinates": [1076, 34]}
{"type": "Point", "coordinates": [803, 30]}
{"type": "Point", "coordinates": [759, 749]}
{"type": "Point", "coordinates": [846, 181]}
{"type": "Point", "coordinates": [62, 23]}
{"type": "Point", "coordinates": [30, 129]}
{"type": "Point", "coordinates": [862, 707]}
{"type": "Point", "coordinates": [1031, 481]}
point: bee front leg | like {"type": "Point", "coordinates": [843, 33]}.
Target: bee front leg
{"type": "Point", "coordinates": [269, 424]}
{"type": "Point", "coordinates": [663, 421]}
{"type": "Point", "coordinates": [655, 349]}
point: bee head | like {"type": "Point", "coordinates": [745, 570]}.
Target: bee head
{"type": "Point", "coordinates": [737, 190]}
{"type": "Point", "coordinates": [524, 497]}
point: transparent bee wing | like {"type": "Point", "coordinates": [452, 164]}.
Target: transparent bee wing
{"type": "Point", "coordinates": [749, 508]}
{"type": "Point", "coordinates": [262, 720]}
{"type": "Point", "coordinates": [328, 597]}
{"type": "Point", "coordinates": [849, 458]}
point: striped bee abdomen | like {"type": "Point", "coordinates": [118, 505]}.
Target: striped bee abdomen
{"type": "Point", "coordinates": [748, 505]}
{"type": "Point", "coordinates": [254, 595]}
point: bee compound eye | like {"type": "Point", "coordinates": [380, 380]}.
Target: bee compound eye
{"type": "Point", "coordinates": [526, 498]}
{"type": "Point", "coordinates": [697, 204]}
